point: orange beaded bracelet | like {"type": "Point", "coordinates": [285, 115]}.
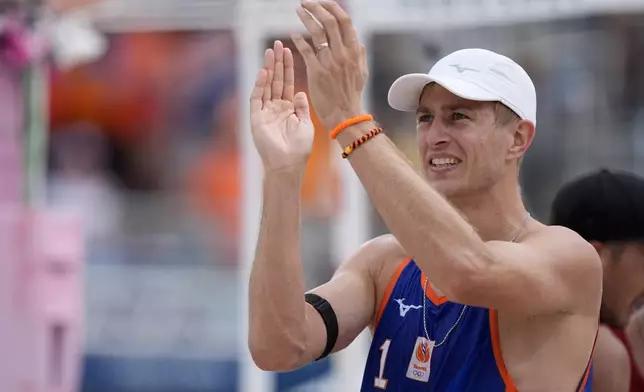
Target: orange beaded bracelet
{"type": "Point", "coordinates": [347, 123]}
{"type": "Point", "coordinates": [353, 146]}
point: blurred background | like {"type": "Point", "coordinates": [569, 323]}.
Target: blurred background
{"type": "Point", "coordinates": [140, 113]}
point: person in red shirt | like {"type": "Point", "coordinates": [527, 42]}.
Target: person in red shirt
{"type": "Point", "coordinates": [606, 209]}
{"type": "Point", "coordinates": [637, 381]}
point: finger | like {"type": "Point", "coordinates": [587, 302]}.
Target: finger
{"type": "Point", "coordinates": [256, 102]}
{"type": "Point", "coordinates": [347, 29]}
{"type": "Point", "coordinates": [308, 54]}
{"type": "Point", "coordinates": [329, 23]}
{"type": "Point", "coordinates": [289, 75]}
{"type": "Point", "coordinates": [278, 75]}
{"type": "Point", "coordinates": [317, 32]}
{"type": "Point", "coordinates": [312, 26]}
{"type": "Point", "coordinates": [269, 66]}
{"type": "Point", "coordinates": [363, 58]}
{"type": "Point", "coordinates": [301, 107]}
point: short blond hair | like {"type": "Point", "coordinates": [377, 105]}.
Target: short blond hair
{"type": "Point", "coordinates": [505, 116]}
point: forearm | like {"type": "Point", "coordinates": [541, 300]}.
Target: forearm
{"type": "Point", "coordinates": [413, 211]}
{"type": "Point", "coordinates": [277, 307]}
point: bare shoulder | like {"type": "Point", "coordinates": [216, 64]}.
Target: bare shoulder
{"type": "Point", "coordinates": [572, 262]}
{"type": "Point", "coordinates": [571, 254]}
{"type": "Point", "coordinates": [570, 245]}
{"type": "Point", "coordinates": [574, 251]}
{"type": "Point", "coordinates": [373, 256]}
{"type": "Point", "coordinates": [354, 293]}
{"type": "Point", "coordinates": [378, 257]}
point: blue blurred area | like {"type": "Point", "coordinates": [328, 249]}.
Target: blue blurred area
{"type": "Point", "coordinates": [166, 326]}
{"type": "Point", "coordinates": [108, 374]}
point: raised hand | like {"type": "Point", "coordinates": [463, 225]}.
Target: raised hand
{"type": "Point", "coordinates": [280, 119]}
{"type": "Point", "coordinates": [337, 68]}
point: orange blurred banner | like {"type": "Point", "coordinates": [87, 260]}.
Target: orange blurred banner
{"type": "Point", "coordinates": [66, 5]}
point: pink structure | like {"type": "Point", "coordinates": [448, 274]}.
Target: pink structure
{"type": "Point", "coordinates": [41, 272]}
{"type": "Point", "coordinates": [41, 308]}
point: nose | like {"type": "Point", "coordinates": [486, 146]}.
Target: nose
{"type": "Point", "coordinates": [436, 136]}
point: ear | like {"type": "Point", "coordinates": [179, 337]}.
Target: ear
{"type": "Point", "coordinates": [523, 133]}
{"type": "Point", "coordinates": [598, 246]}
{"type": "Point", "coordinates": [604, 253]}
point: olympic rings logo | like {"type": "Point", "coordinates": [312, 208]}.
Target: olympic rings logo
{"type": "Point", "coordinates": [418, 373]}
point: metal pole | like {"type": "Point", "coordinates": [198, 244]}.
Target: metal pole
{"type": "Point", "coordinates": [35, 123]}
{"type": "Point", "coordinates": [251, 378]}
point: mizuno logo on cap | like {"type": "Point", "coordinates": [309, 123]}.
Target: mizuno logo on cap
{"type": "Point", "coordinates": [461, 69]}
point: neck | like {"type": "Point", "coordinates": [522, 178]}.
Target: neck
{"type": "Point", "coordinates": [497, 213]}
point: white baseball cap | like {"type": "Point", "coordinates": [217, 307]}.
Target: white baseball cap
{"type": "Point", "coordinates": [474, 74]}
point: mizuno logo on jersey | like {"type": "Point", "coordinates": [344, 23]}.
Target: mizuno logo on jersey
{"type": "Point", "coordinates": [405, 308]}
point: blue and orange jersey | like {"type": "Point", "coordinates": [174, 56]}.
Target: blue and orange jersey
{"type": "Point", "coordinates": [403, 358]}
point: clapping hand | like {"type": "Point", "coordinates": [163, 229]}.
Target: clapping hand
{"type": "Point", "coordinates": [337, 68]}
{"type": "Point", "coordinates": [280, 119]}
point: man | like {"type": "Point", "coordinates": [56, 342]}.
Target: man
{"type": "Point", "coordinates": [606, 208]}
{"type": "Point", "coordinates": [468, 293]}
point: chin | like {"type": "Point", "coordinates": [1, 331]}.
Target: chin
{"type": "Point", "coordinates": [449, 187]}
{"type": "Point", "coordinates": [613, 319]}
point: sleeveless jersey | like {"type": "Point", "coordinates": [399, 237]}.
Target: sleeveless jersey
{"type": "Point", "coordinates": [401, 358]}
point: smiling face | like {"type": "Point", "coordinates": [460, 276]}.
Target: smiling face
{"type": "Point", "coordinates": [467, 146]}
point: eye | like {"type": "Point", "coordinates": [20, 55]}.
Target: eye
{"type": "Point", "coordinates": [424, 118]}
{"type": "Point", "coordinates": [456, 116]}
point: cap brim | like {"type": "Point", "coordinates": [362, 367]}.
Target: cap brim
{"type": "Point", "coordinates": [404, 93]}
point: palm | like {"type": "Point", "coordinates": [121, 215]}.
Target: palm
{"type": "Point", "coordinates": [280, 121]}
{"type": "Point", "coordinates": [281, 137]}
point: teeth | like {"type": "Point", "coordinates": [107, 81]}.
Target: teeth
{"type": "Point", "coordinates": [444, 161]}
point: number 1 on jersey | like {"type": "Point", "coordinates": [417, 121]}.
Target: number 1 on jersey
{"type": "Point", "coordinates": [379, 382]}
